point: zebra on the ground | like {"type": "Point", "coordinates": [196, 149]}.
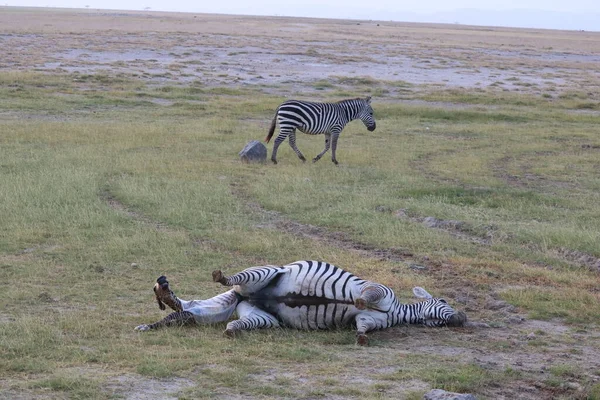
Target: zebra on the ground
{"type": "Point", "coordinates": [303, 295]}
{"type": "Point", "coordinates": [316, 118]}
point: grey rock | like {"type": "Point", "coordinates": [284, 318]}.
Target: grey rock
{"type": "Point", "coordinates": [254, 151]}
{"type": "Point", "coordinates": [401, 213]}
{"type": "Point", "coordinates": [417, 267]}
{"type": "Point", "coordinates": [493, 304]}
{"type": "Point", "coordinates": [439, 394]}
{"type": "Point", "coordinates": [431, 222]}
{"type": "Point", "coordinates": [515, 319]}
{"type": "Point", "coordinates": [573, 386]}
{"type": "Point", "coordinates": [475, 324]}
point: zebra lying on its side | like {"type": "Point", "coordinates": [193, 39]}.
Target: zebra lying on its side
{"type": "Point", "coordinates": [303, 295]}
{"type": "Point", "coordinates": [316, 118]}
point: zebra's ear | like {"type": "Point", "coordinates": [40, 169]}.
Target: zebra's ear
{"type": "Point", "coordinates": [368, 100]}
{"type": "Point", "coordinates": [421, 293]}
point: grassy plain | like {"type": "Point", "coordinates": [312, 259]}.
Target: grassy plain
{"type": "Point", "coordinates": [117, 166]}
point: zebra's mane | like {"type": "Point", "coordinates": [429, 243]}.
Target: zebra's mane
{"type": "Point", "coordinates": [348, 100]}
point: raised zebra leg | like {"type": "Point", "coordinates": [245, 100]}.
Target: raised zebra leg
{"type": "Point", "coordinates": [164, 295]}
{"type": "Point", "coordinates": [364, 324]}
{"type": "Point", "coordinates": [249, 280]}
{"type": "Point", "coordinates": [327, 144]}
{"type": "Point", "coordinates": [251, 317]}
{"type": "Point", "coordinates": [370, 295]}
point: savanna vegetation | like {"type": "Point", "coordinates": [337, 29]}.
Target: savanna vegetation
{"type": "Point", "coordinates": [484, 195]}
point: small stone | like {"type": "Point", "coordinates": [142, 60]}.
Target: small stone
{"type": "Point", "coordinates": [515, 320]}
{"type": "Point", "coordinates": [475, 324]}
{"type": "Point", "coordinates": [573, 386]}
{"type": "Point", "coordinates": [134, 265]}
{"type": "Point", "coordinates": [401, 213]}
{"type": "Point", "coordinates": [531, 336]}
{"type": "Point", "coordinates": [439, 394]}
{"type": "Point", "coordinates": [499, 305]}
{"type": "Point", "coordinates": [254, 151]}
{"type": "Point", "coordinates": [431, 222]}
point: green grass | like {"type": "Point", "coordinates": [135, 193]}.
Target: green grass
{"type": "Point", "coordinates": [103, 190]}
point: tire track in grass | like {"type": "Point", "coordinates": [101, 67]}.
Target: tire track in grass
{"type": "Point", "coordinates": [338, 239]}
{"type": "Point", "coordinates": [114, 203]}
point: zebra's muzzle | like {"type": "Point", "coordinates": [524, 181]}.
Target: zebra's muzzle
{"type": "Point", "coordinates": [458, 319]}
{"type": "Point", "coordinates": [371, 128]}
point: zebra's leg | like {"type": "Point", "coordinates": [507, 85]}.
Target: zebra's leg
{"type": "Point", "coordinates": [334, 140]}
{"type": "Point", "coordinates": [369, 295]}
{"type": "Point", "coordinates": [327, 143]}
{"type": "Point", "coordinates": [164, 295]}
{"type": "Point", "coordinates": [364, 324]}
{"type": "Point", "coordinates": [292, 140]}
{"type": "Point", "coordinates": [251, 317]}
{"type": "Point", "coordinates": [249, 280]}
{"type": "Point", "coordinates": [283, 134]}
{"type": "Point", "coordinates": [178, 318]}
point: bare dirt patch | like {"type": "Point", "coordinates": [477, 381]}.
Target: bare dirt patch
{"type": "Point", "coordinates": [132, 387]}
{"type": "Point", "coordinates": [214, 50]}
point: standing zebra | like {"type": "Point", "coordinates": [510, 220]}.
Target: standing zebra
{"type": "Point", "coordinates": [303, 295]}
{"type": "Point", "coordinates": [316, 118]}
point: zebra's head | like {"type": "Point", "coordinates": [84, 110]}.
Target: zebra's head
{"type": "Point", "coordinates": [164, 295]}
{"type": "Point", "coordinates": [366, 114]}
{"type": "Point", "coordinates": [437, 312]}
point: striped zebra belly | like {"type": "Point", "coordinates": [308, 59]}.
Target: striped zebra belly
{"type": "Point", "coordinates": [308, 131]}
{"type": "Point", "coordinates": [309, 312]}
{"type": "Point", "coordinates": [311, 295]}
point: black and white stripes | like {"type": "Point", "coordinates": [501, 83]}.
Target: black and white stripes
{"type": "Point", "coordinates": [305, 295]}
{"type": "Point", "coordinates": [316, 118]}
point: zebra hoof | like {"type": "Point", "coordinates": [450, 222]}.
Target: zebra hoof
{"type": "Point", "coordinates": [162, 282]}
{"type": "Point", "coordinates": [218, 276]}
{"type": "Point", "coordinates": [362, 340]}
{"type": "Point", "coordinates": [229, 333]}
{"type": "Point", "coordinates": [274, 161]}
{"type": "Point", "coordinates": [315, 159]}
{"type": "Point", "coordinates": [361, 304]}
{"type": "Point", "coordinates": [335, 162]}
{"type": "Point", "coordinates": [142, 328]}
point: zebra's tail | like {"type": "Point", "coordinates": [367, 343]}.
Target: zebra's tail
{"type": "Point", "coordinates": [272, 128]}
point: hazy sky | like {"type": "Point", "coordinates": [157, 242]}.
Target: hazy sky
{"type": "Point", "coordinates": [561, 14]}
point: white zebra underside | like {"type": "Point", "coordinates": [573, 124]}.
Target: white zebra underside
{"type": "Point", "coordinates": [311, 295]}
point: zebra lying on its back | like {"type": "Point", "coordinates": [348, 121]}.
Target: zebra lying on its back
{"type": "Point", "coordinates": [303, 295]}
{"type": "Point", "coordinates": [316, 118]}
